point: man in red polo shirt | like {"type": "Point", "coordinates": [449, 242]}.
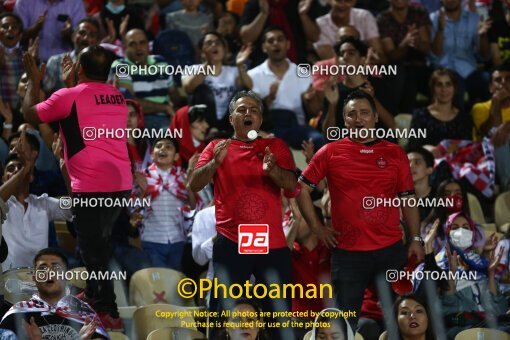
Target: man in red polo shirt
{"type": "Point", "coordinates": [248, 177]}
{"type": "Point", "coordinates": [367, 240]}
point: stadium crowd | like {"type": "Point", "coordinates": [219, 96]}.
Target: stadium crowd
{"type": "Point", "coordinates": [240, 126]}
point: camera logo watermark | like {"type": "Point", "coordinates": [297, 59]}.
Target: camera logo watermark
{"type": "Point", "coordinates": [45, 275]}
{"type": "Point", "coordinates": [93, 133]}
{"type": "Point", "coordinates": [371, 202]}
{"type": "Point", "coordinates": [336, 133]}
{"type": "Point", "coordinates": [393, 275]}
{"type": "Point", "coordinates": [307, 70]}
{"type": "Point", "coordinates": [126, 70]}
{"type": "Point", "coordinates": [67, 202]}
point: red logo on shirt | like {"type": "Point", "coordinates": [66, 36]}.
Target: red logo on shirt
{"type": "Point", "coordinates": [381, 163]}
{"type": "Point", "coordinates": [253, 239]}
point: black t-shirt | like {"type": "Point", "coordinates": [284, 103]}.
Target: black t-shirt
{"type": "Point", "coordinates": [52, 326]}
{"type": "Point", "coordinates": [499, 34]}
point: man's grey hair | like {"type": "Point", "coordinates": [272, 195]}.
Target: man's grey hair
{"type": "Point", "coordinates": [241, 94]}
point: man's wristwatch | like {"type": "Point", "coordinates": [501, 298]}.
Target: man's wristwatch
{"type": "Point", "coordinates": [419, 239]}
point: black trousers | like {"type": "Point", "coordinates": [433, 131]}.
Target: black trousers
{"type": "Point", "coordinates": [94, 227]}
{"type": "Point", "coordinates": [352, 271]}
{"type": "Point", "coordinates": [230, 267]}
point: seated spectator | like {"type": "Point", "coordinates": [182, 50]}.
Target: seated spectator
{"type": "Point", "coordinates": [442, 119]}
{"type": "Point", "coordinates": [405, 38]}
{"type": "Point", "coordinates": [85, 34]}
{"type": "Point", "coordinates": [11, 68]}
{"type": "Point", "coordinates": [192, 121]}
{"type": "Point", "coordinates": [52, 22]}
{"type": "Point", "coordinates": [413, 320]}
{"type": "Point", "coordinates": [52, 313]}
{"type": "Point", "coordinates": [114, 16]}
{"type": "Point", "coordinates": [457, 35]}
{"type": "Point", "coordinates": [499, 37]}
{"type": "Point", "coordinates": [163, 237]}
{"type": "Point", "coordinates": [223, 83]}
{"type": "Point", "coordinates": [350, 51]}
{"type": "Point", "coordinates": [190, 20]}
{"type": "Point", "coordinates": [26, 227]}
{"type": "Point", "coordinates": [450, 189]}
{"type": "Point", "coordinates": [422, 166]}
{"type": "Point", "coordinates": [338, 328]}
{"type": "Point", "coordinates": [202, 237]}
{"type": "Point", "coordinates": [152, 92]}
{"type": "Point", "coordinates": [138, 148]}
{"type": "Point", "coordinates": [503, 269]}
{"type": "Point", "coordinates": [341, 14]}
{"type": "Point", "coordinates": [247, 312]}
{"type": "Point", "coordinates": [293, 17]}
{"type": "Point", "coordinates": [479, 296]}
{"type": "Point", "coordinates": [228, 27]}
{"type": "Point", "coordinates": [277, 82]}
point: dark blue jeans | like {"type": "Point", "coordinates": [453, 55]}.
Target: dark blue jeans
{"type": "Point", "coordinates": [165, 255]}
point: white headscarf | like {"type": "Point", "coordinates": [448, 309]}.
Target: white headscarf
{"type": "Point", "coordinates": [350, 333]}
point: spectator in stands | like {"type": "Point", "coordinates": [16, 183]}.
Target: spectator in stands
{"type": "Point", "coordinates": [278, 82]}
{"type": "Point", "coordinates": [442, 119]}
{"type": "Point", "coordinates": [341, 14]}
{"type": "Point", "coordinates": [250, 314]}
{"type": "Point", "coordinates": [351, 51]}
{"type": "Point", "coordinates": [138, 148]}
{"type": "Point", "coordinates": [338, 328]}
{"type": "Point", "coordinates": [11, 66]}
{"type": "Point", "coordinates": [453, 190]}
{"type": "Point", "coordinates": [52, 21]}
{"type": "Point", "coordinates": [292, 16]}
{"type": "Point", "coordinates": [203, 235]}
{"type": "Point", "coordinates": [228, 27]}
{"type": "Point", "coordinates": [468, 295]}
{"type": "Point", "coordinates": [190, 20]}
{"type": "Point", "coordinates": [152, 91]}
{"type": "Point", "coordinates": [192, 121]}
{"type": "Point", "coordinates": [405, 37]}
{"type": "Point", "coordinates": [163, 237]}
{"type": "Point", "coordinates": [116, 18]}
{"type": "Point", "coordinates": [98, 168]}
{"type": "Point", "coordinates": [499, 37]}
{"type": "Point", "coordinates": [85, 34]}
{"type": "Point", "coordinates": [413, 320]}
{"type": "Point", "coordinates": [223, 83]}
{"type": "Point", "coordinates": [366, 242]}
{"type": "Point", "coordinates": [26, 227]}
{"type": "Point", "coordinates": [422, 166]}
{"type": "Point", "coordinates": [248, 172]}
{"type": "Point", "coordinates": [52, 313]}
{"type": "Point", "coordinates": [457, 35]}
{"type": "Point", "coordinates": [495, 113]}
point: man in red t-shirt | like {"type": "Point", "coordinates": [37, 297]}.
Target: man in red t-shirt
{"type": "Point", "coordinates": [367, 240]}
{"type": "Point", "coordinates": [248, 177]}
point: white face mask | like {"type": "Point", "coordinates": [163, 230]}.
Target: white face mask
{"type": "Point", "coordinates": [461, 238]}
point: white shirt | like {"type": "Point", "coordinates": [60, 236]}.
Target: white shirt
{"type": "Point", "coordinates": [26, 232]}
{"type": "Point", "coordinates": [204, 229]}
{"type": "Point", "coordinates": [288, 96]}
{"type": "Point", "coordinates": [163, 224]}
{"type": "Point", "coordinates": [223, 86]}
{"type": "Point", "coordinates": [362, 19]}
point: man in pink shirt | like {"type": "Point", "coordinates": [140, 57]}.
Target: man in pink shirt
{"type": "Point", "coordinates": [98, 165]}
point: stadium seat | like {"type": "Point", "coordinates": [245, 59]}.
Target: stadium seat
{"type": "Point", "coordinates": [299, 158]}
{"type": "Point", "coordinates": [175, 333]}
{"type": "Point", "coordinates": [358, 336]}
{"type": "Point", "coordinates": [117, 336]}
{"type": "Point", "coordinates": [489, 227]}
{"type": "Point", "coordinates": [475, 209]}
{"type": "Point", "coordinates": [504, 228]}
{"type": "Point", "coordinates": [502, 209]}
{"type": "Point", "coordinates": [146, 320]}
{"type": "Point", "coordinates": [489, 233]}
{"type": "Point", "coordinates": [76, 281]}
{"type": "Point", "coordinates": [482, 333]}
{"type": "Point", "coordinates": [308, 335]}
{"type": "Point", "coordinates": [383, 336]}
{"type": "Point", "coordinates": [403, 122]}
{"type": "Point", "coordinates": [157, 285]}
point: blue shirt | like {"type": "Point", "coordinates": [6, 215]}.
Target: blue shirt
{"type": "Point", "coordinates": [460, 43]}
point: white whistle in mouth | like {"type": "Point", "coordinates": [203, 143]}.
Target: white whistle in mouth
{"type": "Point", "coordinates": [252, 134]}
